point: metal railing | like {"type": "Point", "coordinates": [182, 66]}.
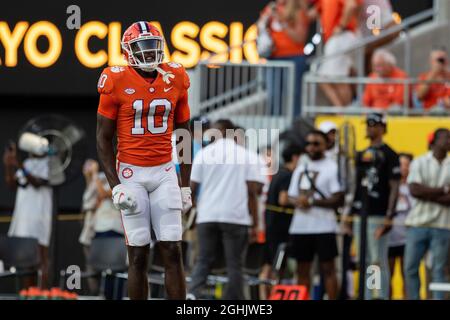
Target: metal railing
{"type": "Point", "coordinates": [358, 52]}
{"type": "Point", "coordinates": [242, 91]}
{"type": "Point", "coordinates": [252, 95]}
{"type": "Point", "coordinates": [404, 26]}
{"type": "Point", "coordinates": [310, 106]}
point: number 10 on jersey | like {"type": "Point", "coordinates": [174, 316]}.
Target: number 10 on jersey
{"type": "Point", "coordinates": [138, 107]}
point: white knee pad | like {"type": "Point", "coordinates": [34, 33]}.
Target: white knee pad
{"type": "Point", "coordinates": [169, 227]}
{"type": "Point", "coordinates": [171, 233]}
{"type": "Point", "coordinates": [139, 237]}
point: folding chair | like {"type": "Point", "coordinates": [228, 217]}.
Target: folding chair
{"type": "Point", "coordinates": [252, 267]}
{"type": "Point", "coordinates": [107, 257]}
{"type": "Point", "coordinates": [254, 261]}
{"type": "Point", "coordinates": [20, 257]}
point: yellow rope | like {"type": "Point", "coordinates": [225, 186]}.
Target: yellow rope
{"type": "Point", "coordinates": [61, 217]}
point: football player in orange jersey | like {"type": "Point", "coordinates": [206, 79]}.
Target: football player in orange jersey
{"type": "Point", "coordinates": [143, 103]}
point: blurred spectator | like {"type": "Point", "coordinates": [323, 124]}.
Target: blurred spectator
{"type": "Point", "coordinates": [397, 235]}
{"type": "Point", "coordinates": [101, 218]}
{"type": "Point", "coordinates": [330, 129]}
{"type": "Point", "coordinates": [316, 193]}
{"type": "Point", "coordinates": [199, 126]}
{"type": "Point", "coordinates": [89, 203]}
{"type": "Point", "coordinates": [384, 95]}
{"type": "Point", "coordinates": [435, 94]}
{"type": "Point", "coordinates": [227, 208]}
{"type": "Point", "coordinates": [428, 221]}
{"type": "Point", "coordinates": [283, 28]}
{"type": "Point", "coordinates": [266, 170]}
{"type": "Point", "coordinates": [339, 21]}
{"type": "Point", "coordinates": [263, 160]}
{"type": "Point", "coordinates": [377, 183]}
{"type": "Point", "coordinates": [32, 216]}
{"type": "Point", "coordinates": [278, 211]}
{"type": "Point", "coordinates": [108, 221]}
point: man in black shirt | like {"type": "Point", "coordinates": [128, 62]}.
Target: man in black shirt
{"type": "Point", "coordinates": [378, 178]}
{"type": "Point", "coordinates": [278, 211]}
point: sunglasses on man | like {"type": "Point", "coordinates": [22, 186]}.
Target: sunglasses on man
{"type": "Point", "coordinates": [314, 143]}
{"type": "Point", "coordinates": [373, 123]}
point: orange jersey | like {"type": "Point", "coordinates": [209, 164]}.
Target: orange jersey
{"type": "Point", "coordinates": [380, 95]}
{"type": "Point", "coordinates": [284, 45]}
{"type": "Point", "coordinates": [435, 92]}
{"type": "Point", "coordinates": [145, 111]}
{"type": "Point", "coordinates": [330, 16]}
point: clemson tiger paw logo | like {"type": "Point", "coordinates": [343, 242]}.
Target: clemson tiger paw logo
{"type": "Point", "coordinates": [127, 173]}
{"type": "Point", "coordinates": [117, 69]}
{"type": "Point", "coordinates": [174, 65]}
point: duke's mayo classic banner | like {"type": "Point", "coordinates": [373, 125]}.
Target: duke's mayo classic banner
{"type": "Point", "coordinates": [49, 47]}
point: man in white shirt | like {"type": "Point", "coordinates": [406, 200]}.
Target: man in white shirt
{"type": "Point", "coordinates": [316, 193]}
{"type": "Point", "coordinates": [429, 218]}
{"type": "Point", "coordinates": [32, 217]}
{"type": "Point", "coordinates": [226, 207]}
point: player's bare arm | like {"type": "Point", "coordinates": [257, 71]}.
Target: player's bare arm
{"type": "Point", "coordinates": [106, 129]}
{"type": "Point", "coordinates": [186, 162]}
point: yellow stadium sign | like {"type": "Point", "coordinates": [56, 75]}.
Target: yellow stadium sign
{"type": "Point", "coordinates": [404, 134]}
{"type": "Point", "coordinates": [191, 43]}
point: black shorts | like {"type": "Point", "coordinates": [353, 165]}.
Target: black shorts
{"type": "Point", "coordinates": [397, 251]}
{"type": "Point", "coordinates": [305, 246]}
{"type": "Point", "coordinates": [277, 232]}
{"type": "Point", "coordinates": [271, 246]}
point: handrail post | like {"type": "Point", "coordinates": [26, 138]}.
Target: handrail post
{"type": "Point", "coordinates": [361, 71]}
{"type": "Point", "coordinates": [291, 92]}
{"type": "Point", "coordinates": [407, 43]}
{"type": "Point", "coordinates": [305, 104]}
{"type": "Point", "coordinates": [406, 97]}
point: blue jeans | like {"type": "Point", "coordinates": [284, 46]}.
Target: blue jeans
{"type": "Point", "coordinates": [277, 82]}
{"type": "Point", "coordinates": [418, 242]}
{"type": "Point", "coordinates": [376, 256]}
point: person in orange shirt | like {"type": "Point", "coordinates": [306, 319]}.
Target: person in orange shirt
{"type": "Point", "coordinates": [287, 23]}
{"type": "Point", "coordinates": [339, 21]}
{"type": "Point", "coordinates": [433, 94]}
{"type": "Point", "coordinates": [143, 103]}
{"type": "Point", "coordinates": [386, 95]}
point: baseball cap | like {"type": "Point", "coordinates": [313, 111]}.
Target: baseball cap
{"type": "Point", "coordinates": [375, 118]}
{"type": "Point", "coordinates": [327, 126]}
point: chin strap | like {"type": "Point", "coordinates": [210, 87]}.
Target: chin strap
{"type": "Point", "coordinates": [166, 75]}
